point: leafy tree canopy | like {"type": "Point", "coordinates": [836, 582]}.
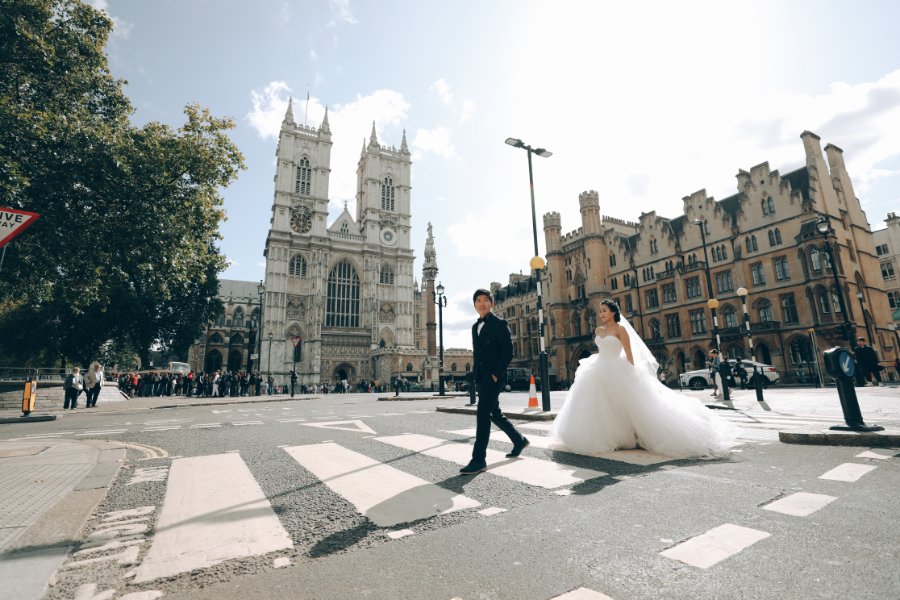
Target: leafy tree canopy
{"type": "Point", "coordinates": [124, 255]}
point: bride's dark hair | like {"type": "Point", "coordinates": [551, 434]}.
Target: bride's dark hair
{"type": "Point", "coordinates": [617, 314]}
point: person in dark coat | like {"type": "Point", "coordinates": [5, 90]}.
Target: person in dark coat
{"type": "Point", "coordinates": [867, 359]}
{"type": "Point", "coordinates": [492, 350]}
{"type": "Point", "coordinates": [73, 385]}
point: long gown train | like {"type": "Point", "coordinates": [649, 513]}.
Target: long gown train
{"type": "Point", "coordinates": [611, 405]}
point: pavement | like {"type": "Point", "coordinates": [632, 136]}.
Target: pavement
{"type": "Point", "coordinates": [49, 488]}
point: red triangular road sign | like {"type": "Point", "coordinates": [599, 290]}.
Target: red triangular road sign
{"type": "Point", "coordinates": [13, 222]}
{"type": "Point", "coordinates": [295, 340]}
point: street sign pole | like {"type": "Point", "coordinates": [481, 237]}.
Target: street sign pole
{"type": "Point", "coordinates": [294, 340]}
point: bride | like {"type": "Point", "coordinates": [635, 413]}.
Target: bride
{"type": "Point", "coordinates": [616, 402]}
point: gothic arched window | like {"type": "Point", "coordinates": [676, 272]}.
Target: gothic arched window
{"type": "Point", "coordinates": [655, 331]}
{"type": "Point", "coordinates": [297, 267]}
{"type": "Point", "coordinates": [387, 194]}
{"type": "Point", "coordinates": [303, 185]}
{"type": "Point", "coordinates": [387, 275]}
{"type": "Point", "coordinates": [342, 305]}
{"type": "Point", "coordinates": [237, 317]}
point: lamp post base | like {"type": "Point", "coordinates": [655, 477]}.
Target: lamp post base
{"type": "Point", "coordinates": [862, 427]}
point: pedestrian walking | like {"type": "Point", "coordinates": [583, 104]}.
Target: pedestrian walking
{"type": "Point", "coordinates": [72, 386]}
{"type": "Point", "coordinates": [868, 362]}
{"type": "Point", "coordinates": [492, 349]}
{"type": "Point", "coordinates": [93, 381]}
{"type": "Point", "coordinates": [714, 364]}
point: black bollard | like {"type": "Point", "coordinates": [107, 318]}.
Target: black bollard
{"type": "Point", "coordinates": [724, 373]}
{"type": "Point", "coordinates": [757, 384]}
{"type": "Point", "coordinates": [840, 364]}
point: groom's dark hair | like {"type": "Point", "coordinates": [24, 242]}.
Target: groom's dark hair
{"type": "Point", "coordinates": [482, 292]}
{"type": "Point", "coordinates": [617, 314]}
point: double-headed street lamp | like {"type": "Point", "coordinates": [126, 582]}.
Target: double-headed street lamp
{"type": "Point", "coordinates": [537, 265]}
{"type": "Point", "coordinates": [441, 302]}
{"type": "Point", "coordinates": [823, 226]}
{"type": "Point", "coordinates": [712, 303]}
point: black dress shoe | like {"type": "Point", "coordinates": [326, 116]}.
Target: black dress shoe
{"type": "Point", "coordinates": [517, 448]}
{"type": "Point", "coordinates": [472, 468]}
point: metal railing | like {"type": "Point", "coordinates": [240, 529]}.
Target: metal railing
{"type": "Point", "coordinates": [26, 373]}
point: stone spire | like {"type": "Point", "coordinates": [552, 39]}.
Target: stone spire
{"type": "Point", "coordinates": [289, 114]}
{"type": "Point", "coordinates": [373, 140]}
{"type": "Point", "coordinates": [326, 128]}
{"type": "Point", "coordinates": [430, 267]}
{"type": "Point", "coordinates": [403, 147]}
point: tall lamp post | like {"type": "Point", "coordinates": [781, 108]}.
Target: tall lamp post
{"type": "Point", "coordinates": [712, 303]}
{"type": "Point", "coordinates": [823, 226]}
{"type": "Point", "coordinates": [251, 342]}
{"type": "Point", "coordinates": [757, 377]}
{"type": "Point", "coordinates": [261, 290]}
{"type": "Point", "coordinates": [441, 302]}
{"type": "Point", "coordinates": [537, 265]}
{"type": "Point", "coordinates": [269, 369]}
{"type": "Point", "coordinates": [862, 315]}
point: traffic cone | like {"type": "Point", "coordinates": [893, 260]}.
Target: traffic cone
{"type": "Point", "coordinates": [532, 394]}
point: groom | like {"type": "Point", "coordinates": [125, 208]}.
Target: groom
{"type": "Point", "coordinates": [492, 348]}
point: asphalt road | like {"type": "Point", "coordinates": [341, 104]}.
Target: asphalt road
{"type": "Point", "coordinates": [347, 497]}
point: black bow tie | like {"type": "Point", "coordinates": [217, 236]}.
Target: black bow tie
{"type": "Point", "coordinates": [481, 320]}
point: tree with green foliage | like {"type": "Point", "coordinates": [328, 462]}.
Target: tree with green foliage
{"type": "Point", "coordinates": [124, 256]}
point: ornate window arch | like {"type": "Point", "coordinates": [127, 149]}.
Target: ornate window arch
{"type": "Point", "coordinates": [387, 275]}
{"type": "Point", "coordinates": [342, 304]}
{"type": "Point", "coordinates": [237, 317]}
{"type": "Point", "coordinates": [215, 339]}
{"type": "Point", "coordinates": [764, 312]}
{"type": "Point", "coordinates": [303, 184]}
{"type": "Point", "coordinates": [729, 316]}
{"type": "Point", "coordinates": [387, 194]}
{"type": "Point", "coordinates": [297, 267]}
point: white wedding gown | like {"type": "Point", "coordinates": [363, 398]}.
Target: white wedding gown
{"type": "Point", "coordinates": [612, 405]}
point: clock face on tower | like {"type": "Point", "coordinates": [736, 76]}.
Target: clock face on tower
{"type": "Point", "coordinates": [388, 237]}
{"type": "Point", "coordinates": [301, 220]}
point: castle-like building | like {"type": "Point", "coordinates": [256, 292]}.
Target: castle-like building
{"type": "Point", "coordinates": [341, 302]}
{"type": "Point", "coordinates": [763, 238]}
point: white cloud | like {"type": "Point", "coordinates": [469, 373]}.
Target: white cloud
{"type": "Point", "coordinates": [121, 28]}
{"type": "Point", "coordinates": [463, 109]}
{"type": "Point", "coordinates": [341, 10]}
{"type": "Point", "coordinates": [285, 12]}
{"type": "Point", "coordinates": [436, 141]}
{"type": "Point", "coordinates": [269, 106]}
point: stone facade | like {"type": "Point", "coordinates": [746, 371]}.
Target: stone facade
{"type": "Point", "coordinates": [762, 238]}
{"type": "Point", "coordinates": [517, 303]}
{"type": "Point", "coordinates": [230, 340]}
{"type": "Point", "coordinates": [887, 249]}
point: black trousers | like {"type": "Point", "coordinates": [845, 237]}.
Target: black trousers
{"type": "Point", "coordinates": [488, 412]}
{"type": "Point", "coordinates": [71, 398]}
{"type": "Point", "coordinates": [91, 395]}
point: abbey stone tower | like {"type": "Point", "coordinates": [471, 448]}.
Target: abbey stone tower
{"type": "Point", "coordinates": [346, 290]}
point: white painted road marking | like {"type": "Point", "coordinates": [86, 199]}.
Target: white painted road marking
{"type": "Point", "coordinates": [715, 545]}
{"type": "Point", "coordinates": [582, 593]}
{"type": "Point", "coordinates": [533, 471]}
{"type": "Point", "coordinates": [632, 457]}
{"type": "Point", "coordinates": [356, 426]}
{"type": "Point", "coordinates": [847, 472]}
{"type": "Point", "coordinates": [800, 504]}
{"type": "Point", "coordinates": [214, 510]}
{"type": "Point", "coordinates": [873, 454]}
{"type": "Point", "coordinates": [387, 496]}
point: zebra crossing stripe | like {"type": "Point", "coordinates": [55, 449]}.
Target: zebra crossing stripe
{"type": "Point", "coordinates": [214, 510]}
{"type": "Point", "coordinates": [582, 593]}
{"type": "Point", "coordinates": [800, 504]}
{"type": "Point", "coordinates": [533, 471]}
{"type": "Point", "coordinates": [714, 546]}
{"type": "Point", "coordinates": [387, 496]}
{"type": "Point", "coordinates": [847, 472]}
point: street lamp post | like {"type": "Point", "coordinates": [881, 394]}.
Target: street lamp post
{"type": "Point", "coordinates": [251, 343]}
{"type": "Point", "coordinates": [269, 369]}
{"type": "Point", "coordinates": [441, 302]}
{"type": "Point", "coordinates": [823, 226]}
{"type": "Point", "coordinates": [712, 303]}
{"type": "Point", "coordinates": [537, 265]}
{"type": "Point", "coordinates": [815, 351]}
{"type": "Point", "coordinates": [757, 377]}
{"type": "Point", "coordinates": [862, 315]}
{"type": "Point", "coordinates": [261, 290]}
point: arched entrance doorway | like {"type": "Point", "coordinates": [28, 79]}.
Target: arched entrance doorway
{"type": "Point", "coordinates": [235, 360]}
{"type": "Point", "coordinates": [344, 372]}
{"type": "Point", "coordinates": [213, 361]}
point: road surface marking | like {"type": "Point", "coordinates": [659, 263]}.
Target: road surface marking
{"type": "Point", "coordinates": [533, 471]}
{"type": "Point", "coordinates": [247, 423]}
{"type": "Point", "coordinates": [214, 510]}
{"type": "Point", "coordinates": [491, 511]}
{"type": "Point", "coordinates": [205, 425]}
{"type": "Point", "coordinates": [291, 420]}
{"type": "Point", "coordinates": [387, 496]}
{"type": "Point", "coordinates": [714, 546]}
{"type": "Point", "coordinates": [873, 454]}
{"type": "Point", "coordinates": [106, 432]}
{"type": "Point", "coordinates": [847, 472]}
{"type": "Point", "coordinates": [355, 425]}
{"type": "Point", "coordinates": [150, 429]}
{"type": "Point", "coordinates": [538, 426]}
{"type": "Point", "coordinates": [582, 593]}
{"type": "Point", "coordinates": [396, 535]}
{"type": "Point", "coordinates": [800, 504]}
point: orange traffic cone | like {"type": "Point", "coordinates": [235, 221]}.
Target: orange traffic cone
{"type": "Point", "coordinates": [532, 394]}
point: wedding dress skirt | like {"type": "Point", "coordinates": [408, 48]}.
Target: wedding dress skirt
{"type": "Point", "coordinates": [611, 406]}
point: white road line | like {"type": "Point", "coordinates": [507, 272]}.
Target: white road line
{"type": "Point", "coordinates": [247, 423]}
{"type": "Point", "coordinates": [204, 425]}
{"type": "Point", "coordinates": [714, 546]}
{"type": "Point", "coordinates": [873, 454]}
{"type": "Point", "coordinates": [800, 504]}
{"type": "Point", "coordinates": [102, 432]}
{"type": "Point", "coordinates": [214, 510]}
{"type": "Point", "coordinates": [387, 496]}
{"type": "Point", "coordinates": [40, 435]}
{"type": "Point", "coordinates": [582, 593]}
{"type": "Point", "coordinates": [291, 420]}
{"type": "Point", "coordinates": [533, 471]}
{"type": "Point", "coordinates": [632, 457]}
{"type": "Point", "coordinates": [847, 472]}
{"type": "Point", "coordinates": [356, 426]}
{"type": "Point", "coordinates": [160, 428]}
{"type": "Point", "coordinates": [538, 426]}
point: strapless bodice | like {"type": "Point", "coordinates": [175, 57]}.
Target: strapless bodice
{"type": "Point", "coordinates": [608, 346]}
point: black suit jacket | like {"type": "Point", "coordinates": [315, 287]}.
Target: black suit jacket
{"type": "Point", "coordinates": [492, 350]}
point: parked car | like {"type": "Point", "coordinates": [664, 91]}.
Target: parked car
{"type": "Point", "coordinates": [702, 379]}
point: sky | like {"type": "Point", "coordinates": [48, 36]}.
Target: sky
{"type": "Point", "coordinates": [644, 101]}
